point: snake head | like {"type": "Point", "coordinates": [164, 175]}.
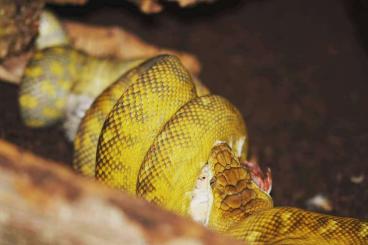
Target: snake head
{"type": "Point", "coordinates": [238, 189]}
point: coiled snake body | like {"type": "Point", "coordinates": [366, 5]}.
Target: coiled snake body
{"type": "Point", "coordinates": [152, 133]}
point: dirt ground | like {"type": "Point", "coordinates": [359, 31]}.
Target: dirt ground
{"type": "Point", "coordinates": [297, 70]}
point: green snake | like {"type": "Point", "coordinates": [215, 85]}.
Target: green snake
{"type": "Point", "coordinates": [145, 127]}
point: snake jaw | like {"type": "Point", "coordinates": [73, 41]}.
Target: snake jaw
{"type": "Point", "coordinates": [201, 197]}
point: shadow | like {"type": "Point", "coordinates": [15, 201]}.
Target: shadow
{"type": "Point", "coordinates": [204, 11]}
{"type": "Point", "coordinates": [357, 11]}
{"type": "Point", "coordinates": [199, 12]}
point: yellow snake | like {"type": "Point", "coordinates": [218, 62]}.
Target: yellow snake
{"type": "Point", "coordinates": [153, 132]}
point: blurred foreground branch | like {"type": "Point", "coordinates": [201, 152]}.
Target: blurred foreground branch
{"type": "Point", "coordinates": [44, 203]}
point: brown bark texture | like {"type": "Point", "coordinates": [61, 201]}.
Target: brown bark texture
{"type": "Point", "coordinates": [18, 25]}
{"type": "Point", "coordinates": [42, 202]}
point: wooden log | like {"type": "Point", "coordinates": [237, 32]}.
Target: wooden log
{"type": "Point", "coordinates": [42, 202]}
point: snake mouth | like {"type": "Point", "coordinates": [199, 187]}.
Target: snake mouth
{"type": "Point", "coordinates": [202, 195]}
{"type": "Point", "coordinates": [261, 179]}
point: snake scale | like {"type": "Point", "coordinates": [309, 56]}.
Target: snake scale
{"type": "Point", "coordinates": [144, 126]}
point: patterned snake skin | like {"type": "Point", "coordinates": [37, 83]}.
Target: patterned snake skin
{"type": "Point", "coordinates": [152, 131]}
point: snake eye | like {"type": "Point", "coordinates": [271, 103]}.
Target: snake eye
{"type": "Point", "coordinates": [213, 181]}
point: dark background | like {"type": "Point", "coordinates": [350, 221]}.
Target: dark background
{"type": "Point", "coordinates": [297, 70]}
